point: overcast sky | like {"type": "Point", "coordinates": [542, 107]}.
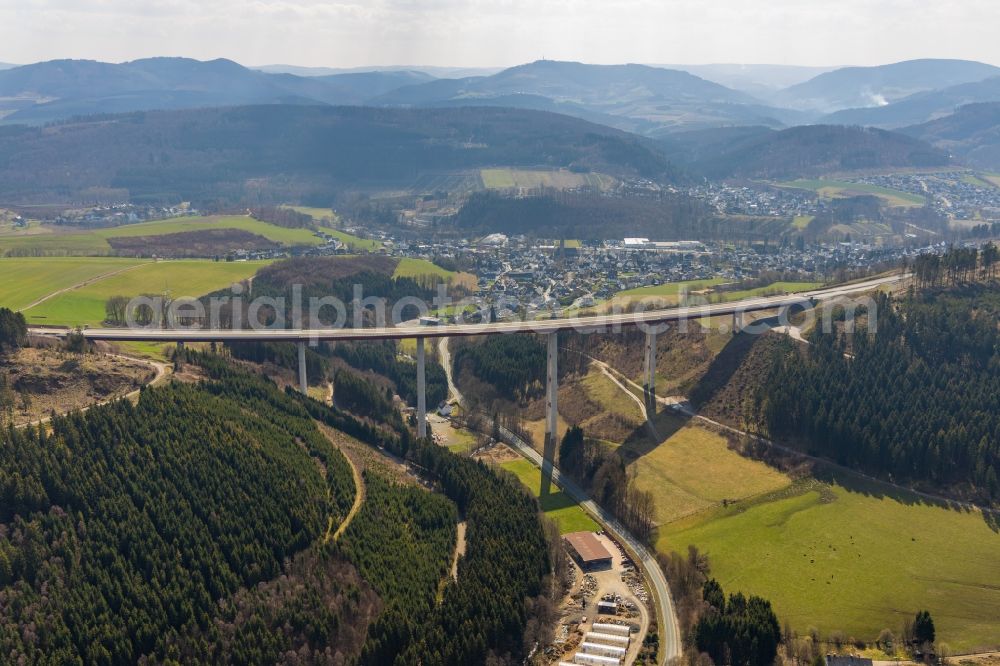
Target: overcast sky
{"type": "Point", "coordinates": [501, 32]}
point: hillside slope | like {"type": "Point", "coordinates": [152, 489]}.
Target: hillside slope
{"type": "Point", "coordinates": [663, 99]}
{"type": "Point", "coordinates": [859, 87]}
{"type": "Point", "coordinates": [262, 153]}
{"type": "Point", "coordinates": [59, 89]}
{"type": "Point", "coordinates": [922, 107]}
{"type": "Point", "coordinates": [972, 133]}
{"type": "Point", "coordinates": [797, 151]}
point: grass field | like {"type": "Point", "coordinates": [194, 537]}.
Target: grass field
{"type": "Point", "coordinates": [242, 222]}
{"type": "Point", "coordinates": [57, 241]}
{"type": "Point", "coordinates": [49, 241]}
{"type": "Point", "coordinates": [505, 179]}
{"type": "Point", "coordinates": [978, 180]}
{"type": "Point", "coordinates": [85, 306]}
{"type": "Point", "coordinates": [773, 288]}
{"type": "Point", "coordinates": [558, 506]}
{"type": "Point", "coordinates": [849, 557]}
{"type": "Point", "coordinates": [25, 280]}
{"type": "Point", "coordinates": [668, 293]}
{"type": "Point", "coordinates": [694, 469]}
{"type": "Point", "coordinates": [458, 440]}
{"type": "Point", "coordinates": [604, 392]}
{"type": "Point", "coordinates": [992, 178]}
{"type": "Point", "coordinates": [318, 214]}
{"type": "Point", "coordinates": [156, 351]}
{"type": "Point", "coordinates": [409, 267]}
{"type": "Point", "coordinates": [355, 243]}
{"type": "Point", "coordinates": [802, 221]}
{"type": "Point", "coordinates": [830, 189]}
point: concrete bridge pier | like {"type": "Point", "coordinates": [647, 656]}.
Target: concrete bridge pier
{"type": "Point", "coordinates": [551, 411]}
{"type": "Point", "coordinates": [737, 322]}
{"type": "Point", "coordinates": [303, 378]}
{"type": "Point", "coordinates": [421, 391]}
{"type": "Point", "coordinates": [649, 381]}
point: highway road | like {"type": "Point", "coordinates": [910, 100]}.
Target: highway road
{"type": "Point", "coordinates": [669, 630]}
{"type": "Point", "coordinates": [409, 330]}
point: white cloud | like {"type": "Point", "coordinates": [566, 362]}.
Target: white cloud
{"type": "Point", "coordinates": [500, 32]}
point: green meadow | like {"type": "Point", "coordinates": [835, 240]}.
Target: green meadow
{"type": "Point", "coordinates": [416, 268]}
{"type": "Point", "coordinates": [508, 178]}
{"type": "Point", "coordinates": [558, 506]}
{"type": "Point", "coordinates": [670, 289]}
{"type": "Point", "coordinates": [24, 281]}
{"type": "Point", "coordinates": [694, 469]}
{"type": "Point", "coordinates": [409, 267]}
{"type": "Point", "coordinates": [771, 289]}
{"type": "Point", "coordinates": [47, 240]}
{"type": "Point", "coordinates": [355, 243]}
{"type": "Point", "coordinates": [802, 221]}
{"type": "Point", "coordinates": [836, 188]}
{"type": "Point", "coordinates": [187, 278]}
{"type": "Point", "coordinates": [326, 215]}
{"type": "Point", "coordinates": [246, 223]}
{"type": "Point", "coordinates": [853, 557]}
{"type": "Point", "coordinates": [318, 214]}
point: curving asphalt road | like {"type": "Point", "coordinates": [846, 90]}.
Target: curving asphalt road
{"type": "Point", "coordinates": [669, 629]}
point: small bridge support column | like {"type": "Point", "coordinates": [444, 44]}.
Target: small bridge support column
{"type": "Point", "coordinates": [737, 322]}
{"type": "Point", "coordinates": [421, 391]}
{"type": "Point", "coordinates": [649, 383]}
{"type": "Point", "coordinates": [303, 377]}
{"type": "Point", "coordinates": [551, 412]}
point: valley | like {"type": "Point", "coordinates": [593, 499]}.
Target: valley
{"type": "Point", "coordinates": [712, 370]}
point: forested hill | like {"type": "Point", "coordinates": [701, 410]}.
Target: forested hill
{"type": "Point", "coordinates": [798, 151]}
{"type": "Point", "coordinates": [919, 401]}
{"type": "Point", "coordinates": [972, 133]}
{"type": "Point", "coordinates": [190, 528]}
{"type": "Point", "coordinates": [273, 153]}
{"type": "Point", "coordinates": [130, 529]}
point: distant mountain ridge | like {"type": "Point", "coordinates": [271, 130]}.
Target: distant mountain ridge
{"type": "Point", "coordinates": [861, 87]}
{"type": "Point", "coordinates": [757, 80]}
{"type": "Point", "coordinates": [275, 153]}
{"type": "Point", "coordinates": [652, 100]}
{"type": "Point", "coordinates": [809, 150]}
{"type": "Point", "coordinates": [972, 133]}
{"type": "Point", "coordinates": [60, 89]}
{"type": "Point", "coordinates": [433, 71]}
{"type": "Point", "coordinates": [922, 107]}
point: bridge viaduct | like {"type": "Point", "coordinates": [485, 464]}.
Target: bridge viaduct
{"type": "Point", "coordinates": [651, 322]}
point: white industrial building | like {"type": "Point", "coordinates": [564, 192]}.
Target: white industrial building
{"type": "Point", "coordinates": [595, 660]}
{"type": "Point", "coordinates": [607, 628]}
{"type": "Point", "coordinates": [603, 650]}
{"type": "Point", "coordinates": [611, 639]}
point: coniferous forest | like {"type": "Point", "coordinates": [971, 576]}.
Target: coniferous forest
{"type": "Point", "coordinates": [192, 527]}
{"type": "Point", "coordinates": [123, 528]}
{"type": "Point", "coordinates": [917, 401]}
